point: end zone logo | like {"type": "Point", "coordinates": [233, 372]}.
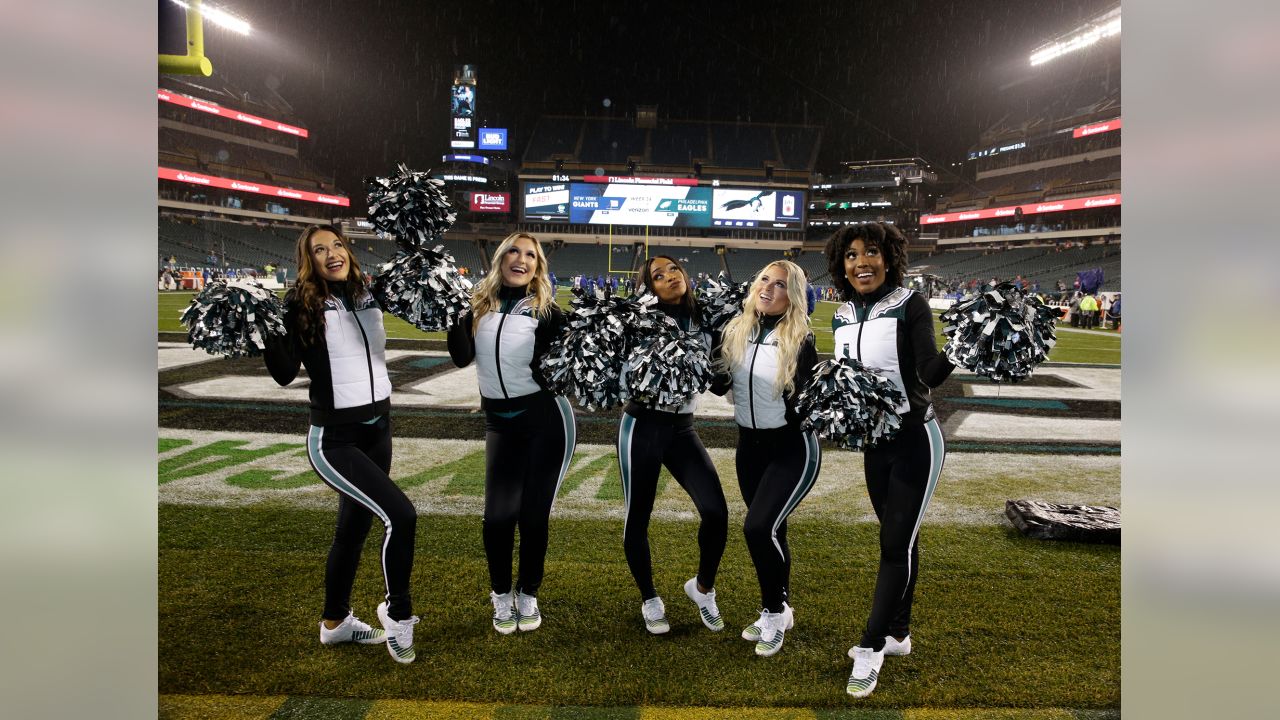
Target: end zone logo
{"type": "Point", "coordinates": [494, 202]}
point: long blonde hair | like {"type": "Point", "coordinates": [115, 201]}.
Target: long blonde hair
{"type": "Point", "coordinates": [792, 329]}
{"type": "Point", "coordinates": [485, 295]}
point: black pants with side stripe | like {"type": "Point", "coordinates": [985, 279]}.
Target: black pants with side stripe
{"type": "Point", "coordinates": [527, 454]}
{"type": "Point", "coordinates": [901, 477]}
{"type": "Point", "coordinates": [355, 459]}
{"type": "Point", "coordinates": [776, 470]}
{"type": "Point", "coordinates": [645, 445]}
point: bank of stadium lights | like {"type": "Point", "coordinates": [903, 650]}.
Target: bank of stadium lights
{"type": "Point", "coordinates": [219, 17]}
{"type": "Point", "coordinates": [1105, 27]}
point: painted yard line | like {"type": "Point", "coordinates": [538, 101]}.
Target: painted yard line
{"type": "Point", "coordinates": [243, 469]}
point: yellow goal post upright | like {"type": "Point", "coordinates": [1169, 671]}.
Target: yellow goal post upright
{"type": "Point", "coordinates": [646, 252]}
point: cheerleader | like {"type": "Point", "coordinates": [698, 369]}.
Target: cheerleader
{"type": "Point", "coordinates": [769, 354]}
{"type": "Point", "coordinates": [530, 434]}
{"type": "Point", "coordinates": [890, 328]}
{"type": "Point", "coordinates": [651, 436]}
{"type": "Point", "coordinates": [334, 329]}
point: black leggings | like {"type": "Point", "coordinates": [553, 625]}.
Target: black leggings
{"type": "Point", "coordinates": [354, 459]}
{"type": "Point", "coordinates": [901, 477]}
{"type": "Point", "coordinates": [645, 445]}
{"type": "Point", "coordinates": [776, 469]}
{"type": "Point", "coordinates": [526, 457]}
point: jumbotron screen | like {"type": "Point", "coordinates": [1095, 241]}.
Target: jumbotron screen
{"type": "Point", "coordinates": [665, 205]}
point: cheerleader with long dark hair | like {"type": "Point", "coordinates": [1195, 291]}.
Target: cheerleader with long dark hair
{"type": "Point", "coordinates": [530, 434]}
{"type": "Point", "coordinates": [334, 329]}
{"type": "Point", "coordinates": [652, 436]}
{"type": "Point", "coordinates": [889, 327]}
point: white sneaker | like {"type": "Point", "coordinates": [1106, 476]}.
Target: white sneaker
{"type": "Point", "coordinates": [352, 629]}
{"type": "Point", "coordinates": [399, 635]}
{"type": "Point", "coordinates": [891, 647]}
{"type": "Point", "coordinates": [706, 603]}
{"type": "Point", "coordinates": [655, 616]}
{"type": "Point", "coordinates": [866, 671]}
{"type": "Point", "coordinates": [504, 616]}
{"type": "Point", "coordinates": [772, 627]}
{"type": "Point", "coordinates": [752, 631]}
{"type": "Point", "coordinates": [527, 615]}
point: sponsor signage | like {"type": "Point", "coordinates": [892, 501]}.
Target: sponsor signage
{"type": "Point", "coordinates": [467, 158]}
{"type": "Point", "coordinates": [462, 107]}
{"type": "Point", "coordinates": [546, 202]}
{"type": "Point", "coordinates": [492, 202]}
{"type": "Point", "coordinates": [758, 208]}
{"type": "Point", "coordinates": [493, 138]}
{"type": "Point", "coordinates": [215, 109]}
{"type": "Point", "coordinates": [187, 176]}
{"type": "Point", "coordinates": [628, 180]}
{"type": "Point", "coordinates": [997, 150]}
{"type": "Point", "coordinates": [1095, 128]}
{"type": "Point", "coordinates": [1009, 211]}
{"type": "Point", "coordinates": [629, 204]}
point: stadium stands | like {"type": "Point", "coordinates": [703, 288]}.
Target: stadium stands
{"type": "Point", "coordinates": [695, 259]}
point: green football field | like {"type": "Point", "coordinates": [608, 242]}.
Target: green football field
{"type": "Point", "coordinates": [1073, 345]}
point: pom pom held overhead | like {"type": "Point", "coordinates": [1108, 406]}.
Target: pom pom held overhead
{"type": "Point", "coordinates": [409, 206]}
{"type": "Point", "coordinates": [423, 288]}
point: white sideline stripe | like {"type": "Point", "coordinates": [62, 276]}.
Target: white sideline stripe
{"type": "Point", "coordinates": [994, 426]}
{"type": "Point", "coordinates": [178, 354]}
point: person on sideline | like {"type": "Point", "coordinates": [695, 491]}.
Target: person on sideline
{"type": "Point", "coordinates": [768, 354]}
{"type": "Point", "coordinates": [334, 329]}
{"type": "Point", "coordinates": [651, 436]}
{"type": "Point", "coordinates": [530, 434]}
{"type": "Point", "coordinates": [890, 328]}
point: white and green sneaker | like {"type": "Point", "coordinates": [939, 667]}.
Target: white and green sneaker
{"type": "Point", "coordinates": [351, 629]}
{"type": "Point", "coordinates": [772, 627]}
{"type": "Point", "coordinates": [892, 647]}
{"type": "Point", "coordinates": [399, 635]}
{"type": "Point", "coordinates": [655, 616]}
{"type": "Point", "coordinates": [752, 631]}
{"type": "Point", "coordinates": [504, 614]}
{"type": "Point", "coordinates": [706, 603]}
{"type": "Point", "coordinates": [866, 671]}
{"type": "Point", "coordinates": [527, 615]}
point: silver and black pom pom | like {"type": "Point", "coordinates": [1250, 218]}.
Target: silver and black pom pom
{"type": "Point", "coordinates": [1002, 333]}
{"type": "Point", "coordinates": [231, 318]}
{"type": "Point", "coordinates": [850, 404]}
{"type": "Point", "coordinates": [424, 288]}
{"type": "Point", "coordinates": [409, 206]}
{"type": "Point", "coordinates": [721, 302]}
{"type": "Point", "coordinates": [585, 362]}
{"type": "Point", "coordinates": [669, 368]}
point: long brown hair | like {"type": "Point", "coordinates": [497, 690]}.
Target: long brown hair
{"type": "Point", "coordinates": [689, 301]}
{"type": "Point", "coordinates": [311, 290]}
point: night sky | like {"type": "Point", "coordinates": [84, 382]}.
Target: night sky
{"type": "Point", "coordinates": [886, 79]}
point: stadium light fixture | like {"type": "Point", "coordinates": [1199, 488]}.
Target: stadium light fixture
{"type": "Point", "coordinates": [220, 17]}
{"type": "Point", "coordinates": [1104, 27]}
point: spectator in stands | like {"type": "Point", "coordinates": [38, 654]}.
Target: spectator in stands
{"type": "Point", "coordinates": [651, 436]}
{"type": "Point", "coordinates": [887, 326]}
{"type": "Point", "coordinates": [766, 358]}
{"type": "Point", "coordinates": [331, 318]}
{"type": "Point", "coordinates": [530, 433]}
